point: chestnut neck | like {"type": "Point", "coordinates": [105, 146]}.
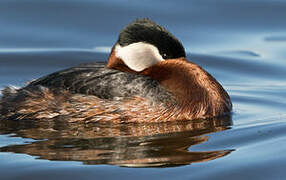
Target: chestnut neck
{"type": "Point", "coordinates": [177, 76]}
{"type": "Point", "coordinates": [193, 87]}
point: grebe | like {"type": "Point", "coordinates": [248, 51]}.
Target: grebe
{"type": "Point", "coordinates": [147, 79]}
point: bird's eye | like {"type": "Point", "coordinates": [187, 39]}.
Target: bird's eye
{"type": "Point", "coordinates": [164, 55]}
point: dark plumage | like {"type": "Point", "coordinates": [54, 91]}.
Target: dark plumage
{"type": "Point", "coordinates": [95, 79]}
{"type": "Point", "coordinates": [145, 30]}
{"type": "Point", "coordinates": [167, 88]}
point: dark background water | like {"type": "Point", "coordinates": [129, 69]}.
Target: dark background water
{"type": "Point", "coordinates": [241, 43]}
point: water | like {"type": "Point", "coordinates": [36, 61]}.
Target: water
{"type": "Point", "coordinates": [241, 43]}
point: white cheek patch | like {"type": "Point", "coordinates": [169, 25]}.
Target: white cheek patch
{"type": "Point", "coordinates": [138, 56]}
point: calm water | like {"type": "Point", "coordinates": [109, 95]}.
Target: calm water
{"type": "Point", "coordinates": [241, 43]}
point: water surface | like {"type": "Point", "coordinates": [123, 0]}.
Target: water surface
{"type": "Point", "coordinates": [241, 43]}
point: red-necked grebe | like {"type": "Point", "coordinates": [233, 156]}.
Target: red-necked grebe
{"type": "Point", "coordinates": [147, 79]}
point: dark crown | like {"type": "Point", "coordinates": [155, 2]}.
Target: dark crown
{"type": "Point", "coordinates": [145, 30]}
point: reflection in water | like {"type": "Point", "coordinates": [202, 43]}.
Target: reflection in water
{"type": "Point", "coordinates": [132, 145]}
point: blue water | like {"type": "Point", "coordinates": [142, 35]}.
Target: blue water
{"type": "Point", "coordinates": [241, 43]}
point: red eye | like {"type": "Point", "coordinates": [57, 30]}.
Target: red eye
{"type": "Point", "coordinates": [164, 55]}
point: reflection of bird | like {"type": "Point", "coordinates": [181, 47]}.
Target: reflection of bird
{"type": "Point", "coordinates": [147, 78]}
{"type": "Point", "coordinates": [132, 144]}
